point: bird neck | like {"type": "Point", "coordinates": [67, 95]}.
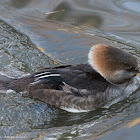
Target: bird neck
{"type": "Point", "coordinates": [115, 94]}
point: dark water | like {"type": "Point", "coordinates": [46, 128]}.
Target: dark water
{"type": "Point", "coordinates": [45, 33]}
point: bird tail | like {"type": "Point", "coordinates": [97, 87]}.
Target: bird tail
{"type": "Point", "coordinates": [18, 85]}
{"type": "Point", "coordinates": [5, 82]}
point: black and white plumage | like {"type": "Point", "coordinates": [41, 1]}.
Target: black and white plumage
{"type": "Point", "coordinates": [83, 87]}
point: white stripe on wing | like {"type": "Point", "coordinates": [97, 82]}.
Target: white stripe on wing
{"type": "Point", "coordinates": [41, 74]}
{"type": "Point", "coordinates": [34, 83]}
{"type": "Point", "coordinates": [45, 76]}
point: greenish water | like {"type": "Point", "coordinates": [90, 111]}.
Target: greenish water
{"type": "Point", "coordinates": [44, 33]}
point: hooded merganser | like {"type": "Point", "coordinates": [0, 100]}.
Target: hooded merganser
{"type": "Point", "coordinates": [83, 87]}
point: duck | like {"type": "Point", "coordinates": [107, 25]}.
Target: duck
{"type": "Point", "coordinates": [81, 87]}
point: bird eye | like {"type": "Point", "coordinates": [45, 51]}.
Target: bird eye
{"type": "Point", "coordinates": [131, 69]}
